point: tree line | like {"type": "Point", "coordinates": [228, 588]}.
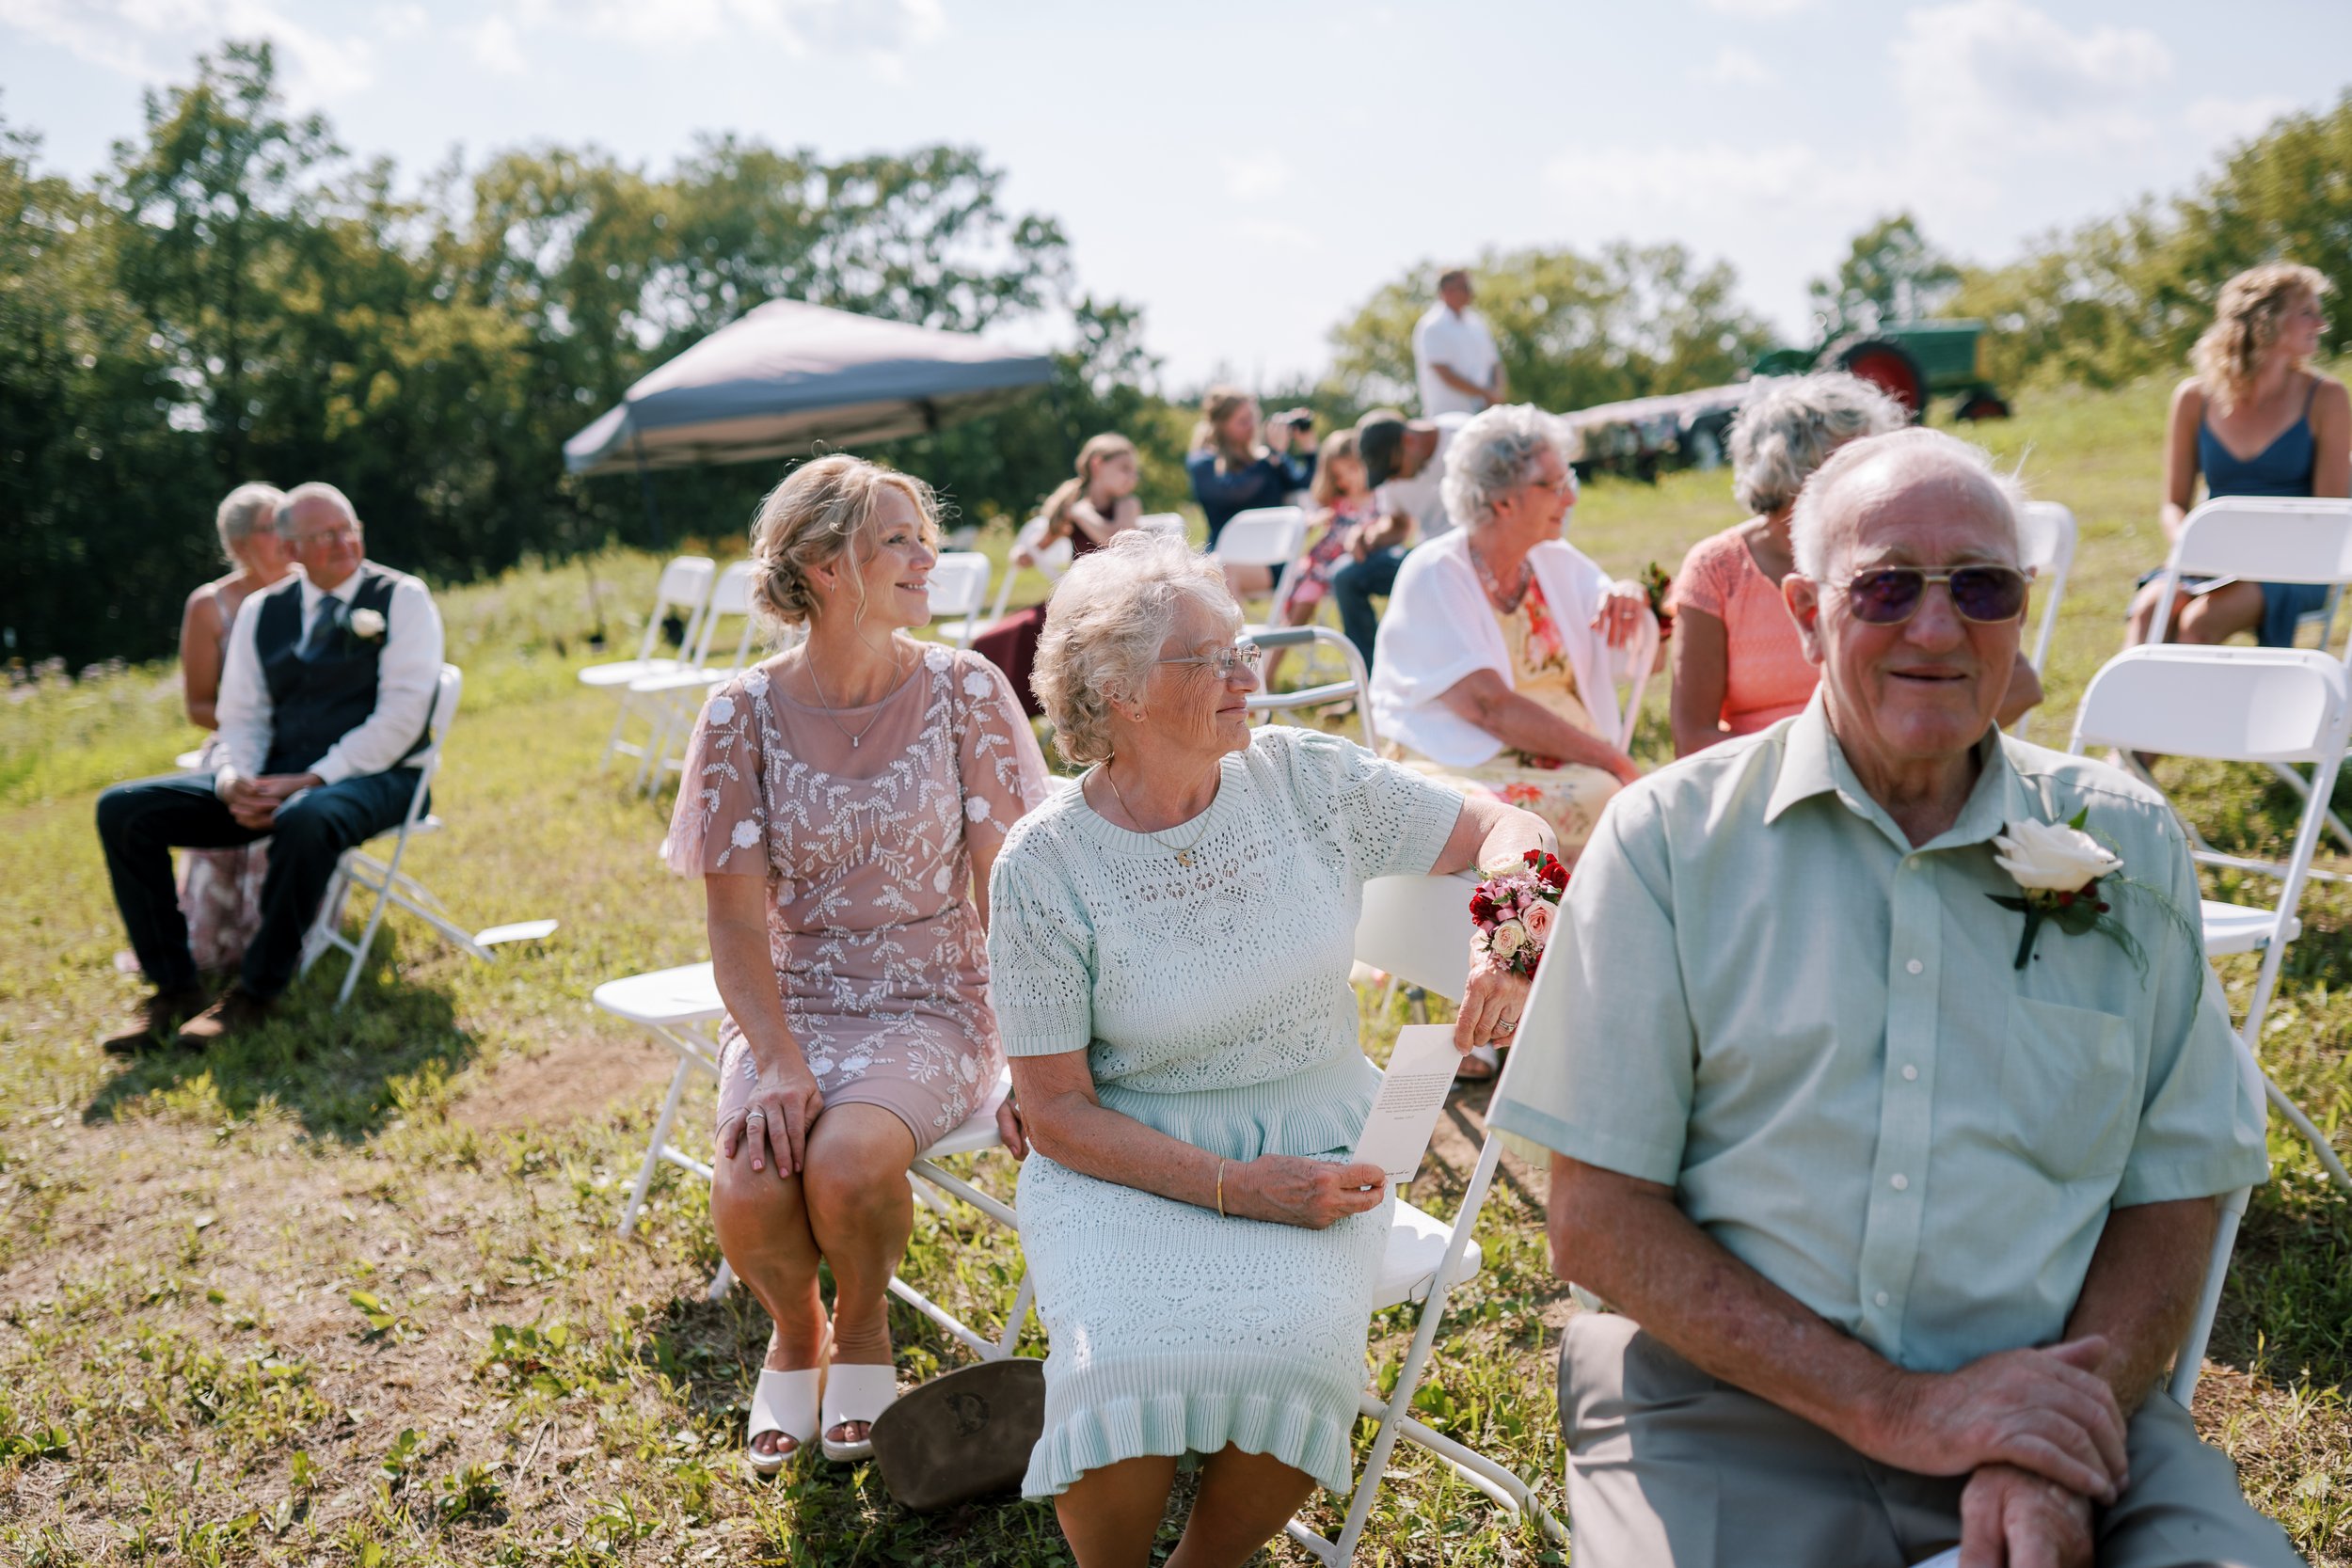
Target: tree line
{"type": "Point", "coordinates": [236, 297]}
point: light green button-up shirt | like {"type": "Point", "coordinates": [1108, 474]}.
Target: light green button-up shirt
{"type": "Point", "coordinates": [1814, 1034]}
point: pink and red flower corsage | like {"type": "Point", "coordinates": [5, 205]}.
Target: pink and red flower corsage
{"type": "Point", "coordinates": [1514, 912]}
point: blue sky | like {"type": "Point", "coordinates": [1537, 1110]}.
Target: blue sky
{"type": "Point", "coordinates": [1248, 173]}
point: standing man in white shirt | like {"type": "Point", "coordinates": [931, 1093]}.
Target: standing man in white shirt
{"type": "Point", "coordinates": [325, 695]}
{"type": "Point", "coordinates": [1453, 352]}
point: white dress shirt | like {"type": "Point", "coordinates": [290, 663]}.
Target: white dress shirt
{"type": "Point", "coordinates": [1462, 344]}
{"type": "Point", "coordinates": [407, 674]}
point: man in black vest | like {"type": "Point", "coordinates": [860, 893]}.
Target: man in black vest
{"type": "Point", "coordinates": [325, 695]}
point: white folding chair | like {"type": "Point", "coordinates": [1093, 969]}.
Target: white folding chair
{"type": "Point", "coordinates": [393, 886]}
{"type": "Point", "coordinates": [671, 700]}
{"type": "Point", "coordinates": [1636, 663]}
{"type": "Point", "coordinates": [684, 587]}
{"type": "Point", "coordinates": [959, 589]}
{"type": "Point", "coordinates": [1051, 561]}
{"type": "Point", "coordinates": [2046, 548]}
{"type": "Point", "coordinates": [1358, 685]}
{"type": "Point", "coordinates": [2274, 705]}
{"type": "Point", "coordinates": [1417, 927]}
{"type": "Point", "coordinates": [681, 1008]}
{"type": "Point", "coordinates": [1268, 537]}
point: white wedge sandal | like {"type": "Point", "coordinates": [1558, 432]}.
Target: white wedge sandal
{"type": "Point", "coordinates": [785, 1402]}
{"type": "Point", "coordinates": [855, 1392]}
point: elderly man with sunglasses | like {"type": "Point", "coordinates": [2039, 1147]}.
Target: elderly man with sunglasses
{"type": "Point", "coordinates": [1901, 1209]}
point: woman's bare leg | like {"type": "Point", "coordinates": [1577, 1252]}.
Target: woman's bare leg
{"type": "Point", "coordinates": [762, 1224]}
{"type": "Point", "coordinates": [1244, 1502]}
{"type": "Point", "coordinates": [1111, 1515]}
{"type": "Point", "coordinates": [861, 1213]}
{"type": "Point", "coordinates": [2217, 616]}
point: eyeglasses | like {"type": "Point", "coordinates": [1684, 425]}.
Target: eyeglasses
{"type": "Point", "coordinates": [1226, 662]}
{"type": "Point", "coordinates": [1889, 595]}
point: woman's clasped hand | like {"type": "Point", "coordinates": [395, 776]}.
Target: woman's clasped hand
{"type": "Point", "coordinates": [1294, 1189]}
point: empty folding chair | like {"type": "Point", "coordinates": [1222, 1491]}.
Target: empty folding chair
{"type": "Point", "coordinates": [684, 588]}
{"type": "Point", "coordinates": [1358, 685]}
{"type": "Point", "coordinates": [1267, 536]}
{"type": "Point", "coordinates": [2047, 545]}
{"type": "Point", "coordinates": [1417, 927]}
{"type": "Point", "coordinates": [2274, 705]}
{"type": "Point", "coordinates": [392, 885]}
{"type": "Point", "coordinates": [959, 589]}
{"type": "Point", "coordinates": [671, 701]}
{"type": "Point", "coordinates": [682, 1010]}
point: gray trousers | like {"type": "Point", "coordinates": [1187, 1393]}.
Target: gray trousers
{"type": "Point", "coordinates": [1668, 1465]}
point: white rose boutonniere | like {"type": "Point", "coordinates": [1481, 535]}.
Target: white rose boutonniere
{"type": "Point", "coordinates": [367, 624]}
{"type": "Point", "coordinates": [2063, 875]}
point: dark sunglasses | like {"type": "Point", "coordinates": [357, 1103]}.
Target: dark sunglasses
{"type": "Point", "coordinates": [1889, 595]}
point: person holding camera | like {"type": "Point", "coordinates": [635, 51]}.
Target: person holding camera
{"type": "Point", "coordinates": [1232, 471]}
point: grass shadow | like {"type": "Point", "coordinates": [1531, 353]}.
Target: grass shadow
{"type": "Point", "coordinates": [342, 1074]}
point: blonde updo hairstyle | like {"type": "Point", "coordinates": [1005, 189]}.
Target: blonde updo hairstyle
{"type": "Point", "coordinates": [822, 511]}
{"type": "Point", "coordinates": [248, 510]}
{"type": "Point", "coordinates": [1105, 626]}
{"type": "Point", "coordinates": [2246, 321]}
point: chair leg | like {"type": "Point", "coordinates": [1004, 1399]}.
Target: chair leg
{"type": "Point", "coordinates": [653, 1149]}
{"type": "Point", "coordinates": [2311, 1135]}
{"type": "Point", "coordinates": [722, 1281]}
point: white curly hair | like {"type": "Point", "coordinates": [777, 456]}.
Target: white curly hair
{"type": "Point", "coordinates": [1493, 455]}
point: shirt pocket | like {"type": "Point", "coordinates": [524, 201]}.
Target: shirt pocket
{"type": "Point", "coordinates": [2069, 1096]}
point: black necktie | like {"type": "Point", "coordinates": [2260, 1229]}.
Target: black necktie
{"type": "Point", "coordinates": [322, 629]}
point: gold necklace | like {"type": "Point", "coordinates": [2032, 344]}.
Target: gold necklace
{"type": "Point", "coordinates": [826, 703]}
{"type": "Point", "coordinates": [1184, 856]}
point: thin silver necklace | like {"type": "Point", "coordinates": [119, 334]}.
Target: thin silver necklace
{"type": "Point", "coordinates": [1505, 602]}
{"type": "Point", "coordinates": [1184, 856]}
{"type": "Point", "coordinates": [826, 707]}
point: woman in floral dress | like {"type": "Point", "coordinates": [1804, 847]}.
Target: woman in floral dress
{"type": "Point", "coordinates": [843, 803]}
{"type": "Point", "coordinates": [1499, 658]}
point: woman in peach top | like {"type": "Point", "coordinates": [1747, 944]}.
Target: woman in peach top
{"type": "Point", "coordinates": [1737, 663]}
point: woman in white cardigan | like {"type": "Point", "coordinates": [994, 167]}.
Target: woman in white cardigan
{"type": "Point", "coordinates": [1497, 665]}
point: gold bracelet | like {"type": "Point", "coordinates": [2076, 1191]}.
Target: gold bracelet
{"type": "Point", "coordinates": [1220, 1189]}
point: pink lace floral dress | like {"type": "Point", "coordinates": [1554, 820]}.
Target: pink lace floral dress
{"type": "Point", "coordinates": [879, 952]}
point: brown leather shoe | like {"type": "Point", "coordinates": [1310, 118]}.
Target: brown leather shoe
{"type": "Point", "coordinates": [153, 1020]}
{"type": "Point", "coordinates": [237, 1011]}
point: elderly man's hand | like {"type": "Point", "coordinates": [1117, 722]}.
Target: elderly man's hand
{"type": "Point", "coordinates": [2045, 1411]}
{"type": "Point", "coordinates": [1620, 613]}
{"type": "Point", "coordinates": [1491, 1005]}
{"type": "Point", "coordinates": [2011, 1518]}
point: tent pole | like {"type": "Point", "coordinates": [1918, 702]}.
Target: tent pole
{"type": "Point", "coordinates": [644, 488]}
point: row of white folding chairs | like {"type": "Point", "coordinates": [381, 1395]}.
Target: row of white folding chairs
{"type": "Point", "coordinates": [2277, 706]}
{"type": "Point", "coordinates": [684, 591]}
{"type": "Point", "coordinates": [1410, 926]}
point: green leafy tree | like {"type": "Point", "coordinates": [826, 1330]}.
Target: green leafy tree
{"type": "Point", "coordinates": [1890, 274]}
{"type": "Point", "coordinates": [1573, 331]}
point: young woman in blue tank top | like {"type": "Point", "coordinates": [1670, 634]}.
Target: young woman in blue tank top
{"type": "Point", "coordinates": [2253, 420]}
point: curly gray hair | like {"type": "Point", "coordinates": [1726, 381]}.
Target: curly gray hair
{"type": "Point", "coordinates": [1915, 450]}
{"type": "Point", "coordinates": [249, 507]}
{"type": "Point", "coordinates": [1104, 626]}
{"type": "Point", "coordinates": [1785, 431]}
{"type": "Point", "coordinates": [1493, 455]}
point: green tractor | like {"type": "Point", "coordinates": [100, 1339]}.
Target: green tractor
{"type": "Point", "coordinates": [1913, 361]}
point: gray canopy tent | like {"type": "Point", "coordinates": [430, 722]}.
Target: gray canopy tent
{"type": "Point", "coordinates": [789, 376]}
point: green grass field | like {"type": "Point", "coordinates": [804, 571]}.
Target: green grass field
{"type": "Point", "coordinates": [350, 1292]}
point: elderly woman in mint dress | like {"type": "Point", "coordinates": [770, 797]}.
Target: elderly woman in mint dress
{"type": "Point", "coordinates": [843, 802]}
{"type": "Point", "coordinates": [1170, 951]}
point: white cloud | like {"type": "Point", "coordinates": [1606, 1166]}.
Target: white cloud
{"type": "Point", "coordinates": [1734, 68]}
{"type": "Point", "coordinates": [1259, 177]}
{"type": "Point", "coordinates": [2235, 119]}
{"type": "Point", "coordinates": [1276, 233]}
{"type": "Point", "coordinates": [1997, 76]}
{"type": "Point", "coordinates": [495, 46]}
{"type": "Point", "coordinates": [881, 32]}
{"type": "Point", "coordinates": [1760, 10]}
{"type": "Point", "coordinates": [153, 41]}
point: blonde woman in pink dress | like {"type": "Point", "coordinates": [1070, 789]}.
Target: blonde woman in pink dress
{"type": "Point", "coordinates": [843, 803]}
{"type": "Point", "coordinates": [221, 889]}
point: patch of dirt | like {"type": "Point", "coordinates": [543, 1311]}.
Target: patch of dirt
{"type": "Point", "coordinates": [575, 1076]}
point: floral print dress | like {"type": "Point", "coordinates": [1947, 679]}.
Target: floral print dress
{"type": "Point", "coordinates": [879, 952]}
{"type": "Point", "coordinates": [1566, 795]}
